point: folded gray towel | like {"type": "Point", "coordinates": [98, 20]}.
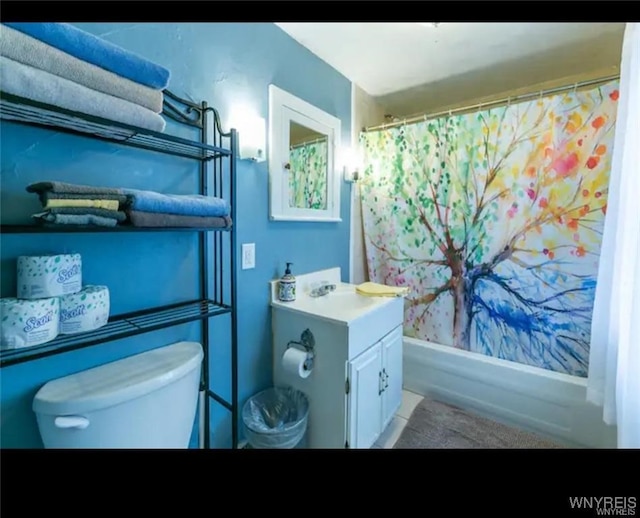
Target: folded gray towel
{"type": "Point", "coordinates": [79, 211]}
{"type": "Point", "coordinates": [158, 219]}
{"type": "Point", "coordinates": [72, 219]}
{"type": "Point", "coordinates": [21, 47]}
{"type": "Point", "coordinates": [40, 86]}
{"type": "Point", "coordinates": [71, 188]}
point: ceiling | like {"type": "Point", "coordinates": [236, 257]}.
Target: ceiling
{"type": "Point", "coordinates": [409, 66]}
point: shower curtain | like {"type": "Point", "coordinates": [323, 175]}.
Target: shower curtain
{"type": "Point", "coordinates": [494, 221]}
{"type": "Point", "coordinates": [614, 359]}
{"type": "Point", "coordinates": [308, 175]}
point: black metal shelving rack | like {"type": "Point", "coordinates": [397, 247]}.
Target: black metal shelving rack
{"type": "Point", "coordinates": [213, 147]}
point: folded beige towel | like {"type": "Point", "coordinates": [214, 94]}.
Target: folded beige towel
{"type": "Point", "coordinates": [372, 289]}
{"type": "Point", "coordinates": [97, 204]}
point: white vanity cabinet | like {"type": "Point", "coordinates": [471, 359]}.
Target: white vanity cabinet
{"type": "Point", "coordinates": [375, 389]}
{"type": "Point", "coordinates": [355, 386]}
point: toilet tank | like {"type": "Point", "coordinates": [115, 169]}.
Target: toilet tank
{"type": "Point", "coordinates": [148, 400]}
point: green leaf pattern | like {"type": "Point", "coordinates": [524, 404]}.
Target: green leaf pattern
{"type": "Point", "coordinates": [308, 175]}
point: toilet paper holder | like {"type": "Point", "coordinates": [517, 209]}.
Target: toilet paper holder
{"type": "Point", "coordinates": [308, 343]}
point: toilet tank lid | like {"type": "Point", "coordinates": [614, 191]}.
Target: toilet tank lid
{"type": "Point", "coordinates": [118, 381]}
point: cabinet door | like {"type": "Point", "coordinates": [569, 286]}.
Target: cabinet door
{"type": "Point", "coordinates": [391, 374]}
{"type": "Point", "coordinates": [364, 407]}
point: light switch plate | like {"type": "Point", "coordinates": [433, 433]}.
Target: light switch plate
{"type": "Point", "coordinates": [248, 256]}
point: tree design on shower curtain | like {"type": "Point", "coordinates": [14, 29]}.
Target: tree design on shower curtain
{"type": "Point", "coordinates": [494, 220]}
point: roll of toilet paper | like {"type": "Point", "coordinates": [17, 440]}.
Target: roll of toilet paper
{"type": "Point", "coordinates": [84, 311]}
{"type": "Point", "coordinates": [46, 276]}
{"type": "Point", "coordinates": [293, 361]}
{"type": "Point", "coordinates": [24, 323]}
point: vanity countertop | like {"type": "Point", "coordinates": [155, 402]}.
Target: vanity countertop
{"type": "Point", "coordinates": [342, 305]}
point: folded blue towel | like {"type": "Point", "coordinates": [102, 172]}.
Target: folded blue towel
{"type": "Point", "coordinates": [94, 50]}
{"type": "Point", "coordinates": [185, 205]}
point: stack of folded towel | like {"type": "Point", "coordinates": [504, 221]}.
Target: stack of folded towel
{"type": "Point", "coordinates": [61, 65]}
{"type": "Point", "coordinates": [152, 209]}
{"type": "Point", "coordinates": [73, 204]}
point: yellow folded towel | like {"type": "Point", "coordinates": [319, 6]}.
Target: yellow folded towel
{"type": "Point", "coordinates": [372, 289]}
{"type": "Point", "coordinates": [96, 204]}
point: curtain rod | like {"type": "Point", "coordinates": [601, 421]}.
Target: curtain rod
{"type": "Point", "coordinates": [506, 100]}
{"type": "Point", "coordinates": [301, 144]}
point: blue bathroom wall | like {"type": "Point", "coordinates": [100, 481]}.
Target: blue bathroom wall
{"type": "Point", "coordinates": [224, 64]}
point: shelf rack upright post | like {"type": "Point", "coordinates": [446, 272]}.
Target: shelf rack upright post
{"type": "Point", "coordinates": [206, 120]}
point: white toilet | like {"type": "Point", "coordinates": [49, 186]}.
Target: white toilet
{"type": "Point", "coordinates": [144, 401]}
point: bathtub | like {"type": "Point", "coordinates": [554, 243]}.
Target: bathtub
{"type": "Point", "coordinates": [549, 403]}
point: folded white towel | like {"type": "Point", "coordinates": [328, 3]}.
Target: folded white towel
{"type": "Point", "coordinates": [23, 48]}
{"type": "Point", "coordinates": [41, 86]}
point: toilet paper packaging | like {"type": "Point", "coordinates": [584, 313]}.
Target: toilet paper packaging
{"type": "Point", "coordinates": [24, 323]}
{"type": "Point", "coordinates": [46, 276]}
{"type": "Point", "coordinates": [84, 311]}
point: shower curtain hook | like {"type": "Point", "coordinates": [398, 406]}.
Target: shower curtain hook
{"type": "Point", "coordinates": [575, 88]}
{"type": "Point", "coordinates": [508, 101]}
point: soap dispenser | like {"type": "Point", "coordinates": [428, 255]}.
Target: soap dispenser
{"type": "Point", "coordinates": [287, 286]}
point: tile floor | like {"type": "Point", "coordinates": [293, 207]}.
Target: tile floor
{"type": "Point", "coordinates": [399, 421]}
{"type": "Point", "coordinates": [392, 433]}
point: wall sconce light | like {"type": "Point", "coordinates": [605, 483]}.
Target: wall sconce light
{"type": "Point", "coordinates": [252, 141]}
{"type": "Point", "coordinates": [351, 165]}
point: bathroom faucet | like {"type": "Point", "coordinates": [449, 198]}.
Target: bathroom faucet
{"type": "Point", "coordinates": [322, 290]}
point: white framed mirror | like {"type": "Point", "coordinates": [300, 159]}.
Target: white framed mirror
{"type": "Point", "coordinates": [304, 182]}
